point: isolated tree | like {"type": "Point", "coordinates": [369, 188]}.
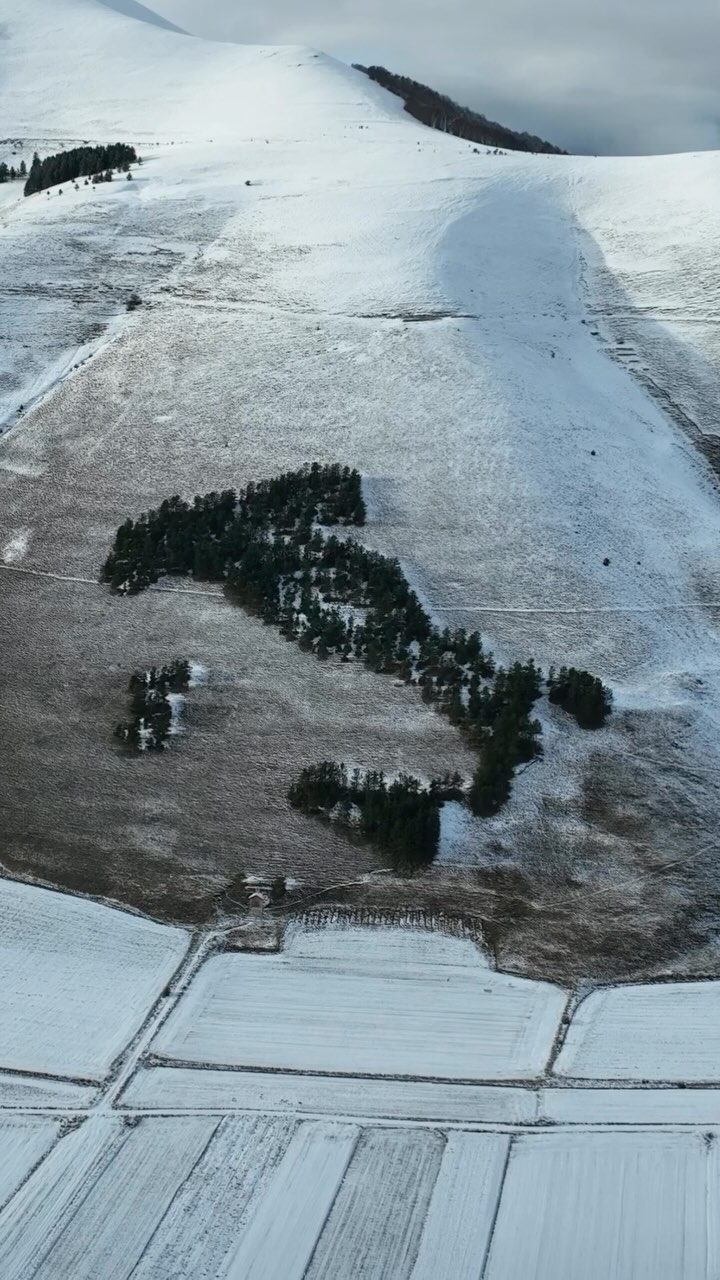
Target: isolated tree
{"type": "Point", "coordinates": [584, 696]}
{"type": "Point", "coordinates": [278, 890]}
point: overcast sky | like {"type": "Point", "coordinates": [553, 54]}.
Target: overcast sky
{"type": "Point", "coordinates": [590, 75]}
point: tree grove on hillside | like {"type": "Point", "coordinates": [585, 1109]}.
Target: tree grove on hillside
{"type": "Point", "coordinates": [440, 112]}
{"type": "Point", "coordinates": [8, 173]}
{"type": "Point", "coordinates": [78, 162]}
{"type": "Point", "coordinates": [271, 547]}
{"type": "Point", "coordinates": [402, 818]}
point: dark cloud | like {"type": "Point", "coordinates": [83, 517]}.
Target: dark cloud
{"type": "Point", "coordinates": [608, 75]}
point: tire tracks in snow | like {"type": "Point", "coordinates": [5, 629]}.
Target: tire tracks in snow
{"type": "Point", "coordinates": [95, 582]}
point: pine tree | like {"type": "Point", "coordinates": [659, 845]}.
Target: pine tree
{"type": "Point", "coordinates": [278, 890]}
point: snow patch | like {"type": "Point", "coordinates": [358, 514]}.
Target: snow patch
{"type": "Point", "coordinates": [16, 547]}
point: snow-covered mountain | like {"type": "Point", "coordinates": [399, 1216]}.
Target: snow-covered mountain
{"type": "Point", "coordinates": [76, 67]}
{"type": "Point", "coordinates": [515, 350]}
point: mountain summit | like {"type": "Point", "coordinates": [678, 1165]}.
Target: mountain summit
{"type": "Point", "coordinates": [103, 74]}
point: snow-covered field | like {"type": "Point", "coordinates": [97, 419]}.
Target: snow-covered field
{"type": "Point", "coordinates": [184, 1088]}
{"type": "Point", "coordinates": [599, 1205]}
{"type": "Point", "coordinates": [76, 980]}
{"type": "Point", "coordinates": [463, 1206]}
{"type": "Point", "coordinates": [667, 1032]}
{"type": "Point", "coordinates": [23, 1144]}
{"type": "Point", "coordinates": [174, 1197]}
{"type": "Point", "coordinates": [377, 1011]}
{"type": "Point", "coordinates": [168, 1173]}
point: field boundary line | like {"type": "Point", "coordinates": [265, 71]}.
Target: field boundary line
{"type": "Point", "coordinates": [501, 1192]}
{"type": "Point", "coordinates": [199, 947]}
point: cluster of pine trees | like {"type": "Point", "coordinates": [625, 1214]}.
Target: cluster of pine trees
{"type": "Point", "coordinates": [583, 695]}
{"type": "Point", "coordinates": [8, 173]}
{"type": "Point", "coordinates": [79, 162]}
{"type": "Point", "coordinates": [402, 818]}
{"type": "Point", "coordinates": [150, 706]}
{"type": "Point", "coordinates": [440, 112]}
{"type": "Point", "coordinates": [335, 598]}
{"type": "Point", "coordinates": [214, 532]}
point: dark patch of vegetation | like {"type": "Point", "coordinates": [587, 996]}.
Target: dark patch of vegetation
{"type": "Point", "coordinates": [151, 707]}
{"type": "Point", "coordinates": [401, 817]}
{"type": "Point", "coordinates": [440, 112]}
{"type": "Point", "coordinates": [79, 162]}
{"type": "Point", "coordinates": [8, 173]}
{"type": "Point", "coordinates": [278, 890]}
{"type": "Point", "coordinates": [270, 522]}
{"type": "Point", "coordinates": [336, 599]}
{"type": "Point", "coordinates": [583, 695]}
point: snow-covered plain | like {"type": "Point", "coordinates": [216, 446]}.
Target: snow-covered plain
{"type": "Point", "coordinates": [301, 1197]}
{"type": "Point", "coordinates": [76, 980]}
{"type": "Point", "coordinates": [377, 1218]}
{"type": "Point", "coordinates": [22, 1092]}
{"type": "Point", "coordinates": [198, 1235]}
{"type": "Point", "coordinates": [381, 948]}
{"type": "Point", "coordinates": [376, 1011]}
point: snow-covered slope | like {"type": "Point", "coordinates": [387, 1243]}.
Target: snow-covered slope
{"type": "Point", "coordinates": [385, 295]}
{"type": "Point", "coordinates": [79, 68]}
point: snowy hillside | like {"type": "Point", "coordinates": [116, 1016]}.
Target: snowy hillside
{"type": "Point", "coordinates": [481, 336]}
{"type": "Point", "coordinates": [102, 72]}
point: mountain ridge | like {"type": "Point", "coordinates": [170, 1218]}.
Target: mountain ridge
{"type": "Point", "coordinates": [440, 112]}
